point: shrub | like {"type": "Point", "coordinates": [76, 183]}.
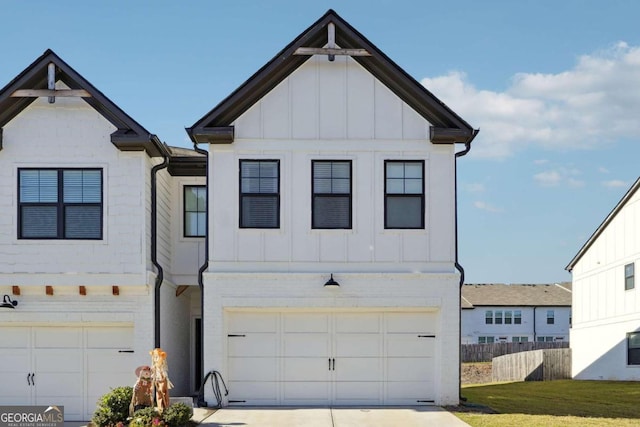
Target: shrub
{"type": "Point", "coordinates": [113, 407]}
{"type": "Point", "coordinates": [177, 415]}
{"type": "Point", "coordinates": [147, 417]}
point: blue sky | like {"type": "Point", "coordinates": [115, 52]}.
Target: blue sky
{"type": "Point", "coordinates": [553, 85]}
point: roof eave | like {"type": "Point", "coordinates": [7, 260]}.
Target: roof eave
{"type": "Point", "coordinates": [212, 135]}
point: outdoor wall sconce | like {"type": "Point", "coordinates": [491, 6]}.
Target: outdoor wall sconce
{"type": "Point", "coordinates": [8, 303]}
{"type": "Point", "coordinates": [331, 283]}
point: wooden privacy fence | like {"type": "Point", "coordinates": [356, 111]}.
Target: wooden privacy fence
{"type": "Point", "coordinates": [537, 365]}
{"type": "Point", "coordinates": [486, 352]}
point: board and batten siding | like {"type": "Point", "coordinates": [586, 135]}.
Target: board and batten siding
{"type": "Point", "coordinates": [603, 311]}
{"type": "Point", "coordinates": [332, 111]}
{"type": "Point", "coordinates": [71, 134]}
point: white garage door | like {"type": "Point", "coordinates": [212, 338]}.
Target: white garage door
{"type": "Point", "coordinates": [291, 358]}
{"type": "Point", "coordinates": [69, 366]}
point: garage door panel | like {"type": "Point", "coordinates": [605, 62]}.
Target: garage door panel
{"type": "Point", "coordinates": [57, 337]}
{"type": "Point", "coordinates": [306, 369]}
{"type": "Point", "coordinates": [58, 384]}
{"type": "Point", "coordinates": [310, 393]}
{"type": "Point", "coordinates": [410, 345]}
{"type": "Point", "coordinates": [16, 337]}
{"type": "Point", "coordinates": [409, 368]}
{"type": "Point", "coordinates": [114, 361]}
{"type": "Point", "coordinates": [358, 345]}
{"type": "Point", "coordinates": [358, 369]}
{"type": "Point", "coordinates": [417, 323]}
{"type": "Point", "coordinates": [14, 385]}
{"type": "Point", "coordinates": [72, 405]}
{"type": "Point", "coordinates": [100, 383]}
{"type": "Point", "coordinates": [306, 345]}
{"type": "Point", "coordinates": [253, 392]}
{"type": "Point", "coordinates": [409, 392]}
{"type": "Point", "coordinates": [301, 322]}
{"type": "Point", "coordinates": [239, 323]}
{"type": "Point", "coordinates": [58, 360]}
{"type": "Point", "coordinates": [357, 323]}
{"type": "Point", "coordinates": [254, 344]}
{"type": "Point", "coordinates": [116, 338]}
{"type": "Point", "coordinates": [358, 392]}
{"type": "Point", "coordinates": [253, 368]}
{"type": "Point", "coordinates": [14, 360]}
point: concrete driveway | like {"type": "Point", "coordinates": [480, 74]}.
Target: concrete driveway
{"type": "Point", "coordinates": [332, 417]}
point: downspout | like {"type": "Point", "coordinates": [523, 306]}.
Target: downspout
{"type": "Point", "coordinates": [534, 323]}
{"type": "Point", "coordinates": [205, 265]}
{"type": "Point", "coordinates": [467, 148]}
{"type": "Point", "coordinates": [154, 245]}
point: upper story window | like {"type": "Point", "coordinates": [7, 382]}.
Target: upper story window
{"type": "Point", "coordinates": [498, 317]}
{"type": "Point", "coordinates": [195, 210]}
{"type": "Point", "coordinates": [508, 317]}
{"type": "Point", "coordinates": [517, 317]}
{"type": "Point", "coordinates": [629, 273]}
{"type": "Point", "coordinates": [60, 204]}
{"type": "Point", "coordinates": [331, 194]}
{"type": "Point", "coordinates": [404, 194]}
{"type": "Point", "coordinates": [551, 317]}
{"type": "Point", "coordinates": [488, 317]}
{"type": "Point", "coordinates": [633, 348]}
{"type": "Point", "coordinates": [259, 193]}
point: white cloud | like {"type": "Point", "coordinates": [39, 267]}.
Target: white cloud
{"type": "Point", "coordinates": [486, 207]}
{"type": "Point", "coordinates": [585, 107]}
{"type": "Point", "coordinates": [475, 187]}
{"type": "Point", "coordinates": [559, 176]}
{"type": "Point", "coordinates": [602, 169]}
{"type": "Point", "coordinates": [540, 162]}
{"type": "Point", "coordinates": [615, 183]}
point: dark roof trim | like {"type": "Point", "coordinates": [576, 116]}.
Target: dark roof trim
{"type": "Point", "coordinates": [188, 166]}
{"type": "Point", "coordinates": [378, 64]}
{"type": "Point", "coordinates": [130, 134]}
{"type": "Point", "coordinates": [212, 135]}
{"type": "Point", "coordinates": [0, 138]}
{"type": "Point", "coordinates": [604, 225]}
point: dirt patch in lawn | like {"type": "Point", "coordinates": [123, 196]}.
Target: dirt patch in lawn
{"type": "Point", "coordinates": [476, 373]}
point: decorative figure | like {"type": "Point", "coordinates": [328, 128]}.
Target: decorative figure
{"type": "Point", "coordinates": [143, 390]}
{"type": "Point", "coordinates": [160, 378]}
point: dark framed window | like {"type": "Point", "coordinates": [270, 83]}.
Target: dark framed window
{"type": "Point", "coordinates": [259, 193]}
{"type": "Point", "coordinates": [195, 210]}
{"type": "Point", "coordinates": [633, 348]}
{"type": "Point", "coordinates": [629, 276]}
{"type": "Point", "coordinates": [488, 317]}
{"type": "Point", "coordinates": [498, 317]}
{"type": "Point", "coordinates": [403, 194]}
{"type": "Point", "coordinates": [486, 340]}
{"type": "Point", "coordinates": [517, 317]}
{"type": "Point", "coordinates": [508, 317]}
{"type": "Point", "coordinates": [331, 194]}
{"type": "Point", "coordinates": [60, 204]}
{"type": "Point", "coordinates": [551, 317]}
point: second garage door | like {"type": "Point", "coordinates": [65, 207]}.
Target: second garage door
{"type": "Point", "coordinates": [343, 358]}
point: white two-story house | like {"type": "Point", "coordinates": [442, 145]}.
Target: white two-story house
{"type": "Point", "coordinates": [605, 338]}
{"type": "Point", "coordinates": [102, 236]}
{"type": "Point", "coordinates": [493, 313]}
{"type": "Point", "coordinates": [332, 274]}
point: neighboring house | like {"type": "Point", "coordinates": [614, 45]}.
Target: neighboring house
{"type": "Point", "coordinates": [515, 313]}
{"type": "Point", "coordinates": [332, 166]}
{"type": "Point", "coordinates": [605, 337]}
{"type": "Point", "coordinates": [79, 243]}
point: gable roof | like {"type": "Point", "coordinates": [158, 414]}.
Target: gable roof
{"type": "Point", "coordinates": [447, 126]}
{"type": "Point", "coordinates": [129, 136]}
{"type": "Point", "coordinates": [604, 225]}
{"type": "Point", "coordinates": [555, 295]}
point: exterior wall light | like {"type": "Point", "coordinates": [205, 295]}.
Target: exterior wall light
{"type": "Point", "coordinates": [331, 283]}
{"type": "Point", "coordinates": [8, 303]}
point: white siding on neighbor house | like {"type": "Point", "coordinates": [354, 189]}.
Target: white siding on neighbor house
{"type": "Point", "coordinates": [375, 293]}
{"type": "Point", "coordinates": [294, 125]}
{"type": "Point", "coordinates": [188, 252]}
{"type": "Point", "coordinates": [474, 326]}
{"type": "Point", "coordinates": [71, 134]}
{"type": "Point", "coordinates": [603, 311]}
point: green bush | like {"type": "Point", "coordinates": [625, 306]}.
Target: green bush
{"type": "Point", "coordinates": [113, 407]}
{"type": "Point", "coordinates": [177, 415]}
{"type": "Point", "coordinates": [146, 417]}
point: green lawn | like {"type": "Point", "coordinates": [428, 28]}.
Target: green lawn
{"type": "Point", "coordinates": [565, 403]}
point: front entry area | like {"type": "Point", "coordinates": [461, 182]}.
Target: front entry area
{"type": "Point", "coordinates": [331, 358]}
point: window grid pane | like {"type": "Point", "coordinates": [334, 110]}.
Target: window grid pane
{"type": "Point", "coordinates": [404, 194]}
{"type": "Point", "coordinates": [195, 200]}
{"type": "Point", "coordinates": [259, 194]}
{"type": "Point", "coordinates": [331, 181]}
{"type": "Point", "coordinates": [629, 279]}
{"type": "Point", "coordinates": [60, 203]}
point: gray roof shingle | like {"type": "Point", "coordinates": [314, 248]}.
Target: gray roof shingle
{"type": "Point", "coordinates": [558, 294]}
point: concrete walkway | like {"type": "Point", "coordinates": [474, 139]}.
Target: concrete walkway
{"type": "Point", "coordinates": [330, 417]}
